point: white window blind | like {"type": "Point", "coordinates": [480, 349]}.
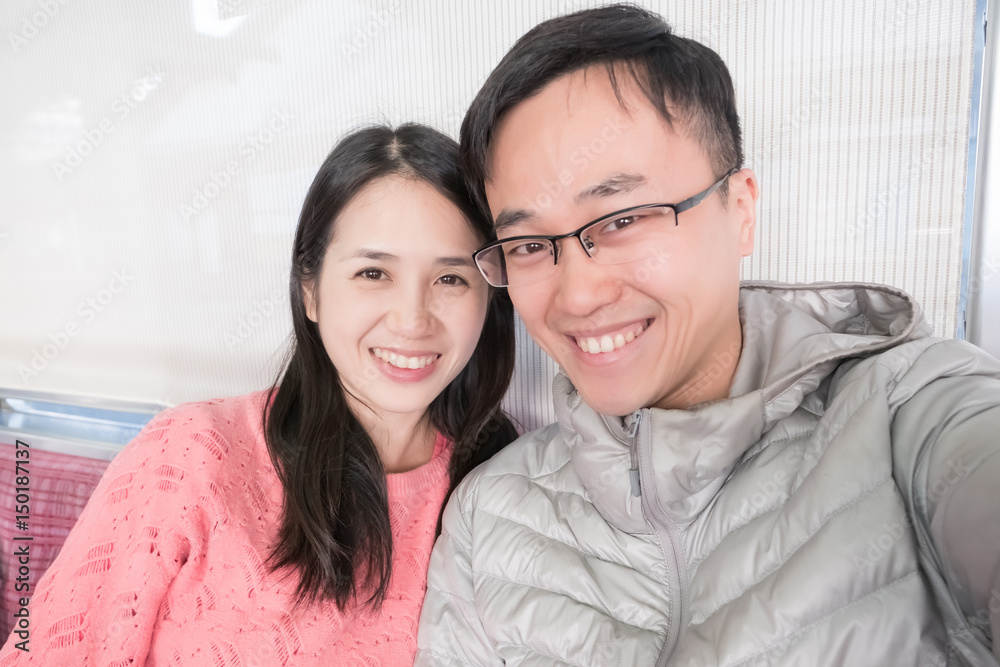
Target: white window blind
{"type": "Point", "coordinates": [156, 156]}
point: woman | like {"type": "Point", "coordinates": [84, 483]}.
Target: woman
{"type": "Point", "coordinates": [294, 526]}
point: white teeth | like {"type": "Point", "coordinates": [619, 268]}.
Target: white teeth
{"type": "Point", "coordinates": [608, 343]}
{"type": "Point", "coordinates": [400, 361]}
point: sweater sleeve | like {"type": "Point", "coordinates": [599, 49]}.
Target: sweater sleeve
{"type": "Point", "coordinates": [99, 601]}
{"type": "Point", "coordinates": [451, 633]}
{"type": "Point", "coordinates": [954, 423]}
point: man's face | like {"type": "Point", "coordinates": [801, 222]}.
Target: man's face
{"type": "Point", "coordinates": [571, 154]}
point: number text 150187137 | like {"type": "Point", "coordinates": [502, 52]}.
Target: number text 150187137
{"type": "Point", "coordinates": [22, 555]}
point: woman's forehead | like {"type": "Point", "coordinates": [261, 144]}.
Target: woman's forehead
{"type": "Point", "coordinates": [403, 217]}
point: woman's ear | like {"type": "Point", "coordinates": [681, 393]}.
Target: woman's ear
{"type": "Point", "coordinates": [309, 299]}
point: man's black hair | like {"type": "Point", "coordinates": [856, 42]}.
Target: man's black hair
{"type": "Point", "coordinates": [684, 80]}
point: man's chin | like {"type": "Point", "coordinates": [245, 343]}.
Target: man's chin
{"type": "Point", "coordinates": [609, 400]}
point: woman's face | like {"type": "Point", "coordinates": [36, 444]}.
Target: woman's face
{"type": "Point", "coordinates": [399, 302]}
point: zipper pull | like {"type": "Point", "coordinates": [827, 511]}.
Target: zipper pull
{"type": "Point", "coordinates": [633, 476]}
{"type": "Point", "coordinates": [633, 473]}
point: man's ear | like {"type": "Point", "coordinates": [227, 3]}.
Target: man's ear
{"type": "Point", "coordinates": [743, 194]}
{"type": "Point", "coordinates": [309, 299]}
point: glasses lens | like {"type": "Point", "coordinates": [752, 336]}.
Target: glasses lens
{"type": "Point", "coordinates": [631, 235]}
{"type": "Point", "coordinates": [491, 264]}
{"type": "Point", "coordinates": [517, 262]}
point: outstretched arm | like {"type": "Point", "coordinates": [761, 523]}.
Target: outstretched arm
{"type": "Point", "coordinates": [955, 491]}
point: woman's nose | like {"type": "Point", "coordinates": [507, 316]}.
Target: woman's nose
{"type": "Point", "coordinates": [411, 313]}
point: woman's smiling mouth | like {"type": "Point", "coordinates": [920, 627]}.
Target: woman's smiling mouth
{"type": "Point", "coordinates": [403, 361]}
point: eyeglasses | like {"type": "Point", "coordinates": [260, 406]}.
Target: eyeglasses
{"type": "Point", "coordinates": [628, 235]}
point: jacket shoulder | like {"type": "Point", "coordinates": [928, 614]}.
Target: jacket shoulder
{"type": "Point", "coordinates": [946, 357]}
{"type": "Point", "coordinates": [532, 459]}
{"type": "Point", "coordinates": [910, 367]}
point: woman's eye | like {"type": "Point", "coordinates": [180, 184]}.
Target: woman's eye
{"type": "Point", "coordinates": [371, 274]}
{"type": "Point", "coordinates": [452, 279]}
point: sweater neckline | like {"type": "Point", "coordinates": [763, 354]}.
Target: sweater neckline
{"type": "Point", "coordinates": [423, 477]}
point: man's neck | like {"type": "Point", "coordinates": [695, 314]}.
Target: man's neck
{"type": "Point", "coordinates": [712, 379]}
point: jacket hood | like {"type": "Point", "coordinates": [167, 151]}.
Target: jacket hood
{"type": "Point", "coordinates": [794, 336]}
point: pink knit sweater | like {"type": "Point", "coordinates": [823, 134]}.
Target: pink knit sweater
{"type": "Point", "coordinates": [166, 565]}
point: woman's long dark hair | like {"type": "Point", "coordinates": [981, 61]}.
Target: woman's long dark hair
{"type": "Point", "coordinates": [335, 527]}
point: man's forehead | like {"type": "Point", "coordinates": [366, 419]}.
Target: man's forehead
{"type": "Point", "coordinates": [575, 141]}
{"type": "Point", "coordinates": [593, 109]}
{"type": "Point", "coordinates": [552, 127]}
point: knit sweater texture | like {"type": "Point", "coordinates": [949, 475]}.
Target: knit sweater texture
{"type": "Point", "coordinates": [167, 564]}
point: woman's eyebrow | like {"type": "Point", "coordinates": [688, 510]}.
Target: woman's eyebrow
{"type": "Point", "coordinates": [374, 255]}
{"type": "Point", "coordinates": [381, 256]}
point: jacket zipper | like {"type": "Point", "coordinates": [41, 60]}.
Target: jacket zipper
{"type": "Point", "coordinates": [669, 537]}
{"type": "Point", "coordinates": [633, 473]}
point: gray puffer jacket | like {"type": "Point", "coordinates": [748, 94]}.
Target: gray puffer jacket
{"type": "Point", "coordinates": [842, 507]}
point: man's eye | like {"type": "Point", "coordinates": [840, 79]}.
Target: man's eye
{"type": "Point", "coordinates": [527, 248]}
{"type": "Point", "coordinates": [371, 274]}
{"type": "Point", "coordinates": [452, 279]}
{"type": "Point", "coordinates": [618, 224]}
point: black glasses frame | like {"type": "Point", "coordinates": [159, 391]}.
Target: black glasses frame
{"type": "Point", "coordinates": [678, 208]}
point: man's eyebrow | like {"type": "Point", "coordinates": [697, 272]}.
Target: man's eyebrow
{"type": "Point", "coordinates": [455, 261]}
{"type": "Point", "coordinates": [511, 217]}
{"type": "Point", "coordinates": [615, 185]}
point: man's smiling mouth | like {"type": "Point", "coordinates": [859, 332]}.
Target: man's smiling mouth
{"type": "Point", "coordinates": [610, 342]}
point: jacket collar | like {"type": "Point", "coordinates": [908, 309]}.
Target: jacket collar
{"type": "Point", "coordinates": [793, 338]}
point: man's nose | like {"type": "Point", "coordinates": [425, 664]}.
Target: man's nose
{"type": "Point", "coordinates": [584, 286]}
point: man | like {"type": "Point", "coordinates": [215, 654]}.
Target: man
{"type": "Point", "coordinates": [766, 475]}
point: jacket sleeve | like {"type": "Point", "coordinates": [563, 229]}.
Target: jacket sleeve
{"type": "Point", "coordinates": [950, 431]}
{"type": "Point", "coordinates": [451, 633]}
{"type": "Point", "coordinates": [98, 602]}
